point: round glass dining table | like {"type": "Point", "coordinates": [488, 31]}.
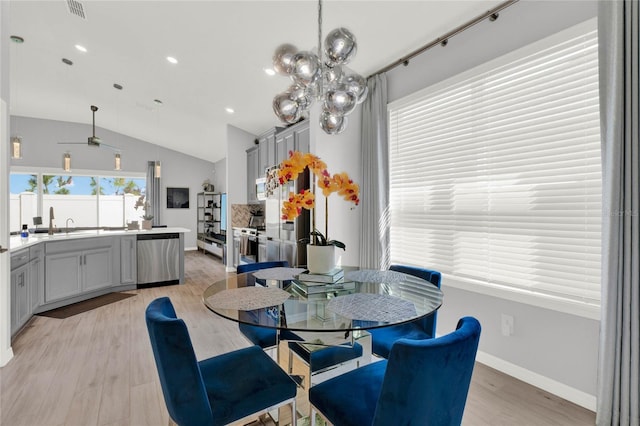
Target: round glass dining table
{"type": "Point", "coordinates": [361, 300]}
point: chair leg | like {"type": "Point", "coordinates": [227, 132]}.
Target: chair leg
{"type": "Point", "coordinates": [313, 416]}
{"type": "Point", "coordinates": [294, 413]}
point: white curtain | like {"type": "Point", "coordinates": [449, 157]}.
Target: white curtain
{"type": "Point", "coordinates": [619, 361]}
{"type": "Point", "coordinates": [374, 194]}
{"type": "Point", "coordinates": [154, 193]}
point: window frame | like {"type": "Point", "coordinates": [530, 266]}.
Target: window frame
{"type": "Point", "coordinates": [40, 171]}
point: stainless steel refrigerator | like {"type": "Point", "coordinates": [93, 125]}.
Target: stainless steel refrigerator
{"type": "Point", "coordinates": [282, 235]}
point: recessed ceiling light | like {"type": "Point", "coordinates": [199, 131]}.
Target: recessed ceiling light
{"type": "Point", "coordinates": [17, 39]}
{"type": "Point", "coordinates": [157, 102]}
{"type": "Point", "coordinates": [172, 59]}
{"type": "Point", "coordinates": [229, 110]}
{"type": "Point", "coordinates": [67, 61]}
{"type": "Point", "coordinates": [269, 71]}
{"type": "Point", "coordinates": [81, 48]}
{"type": "Point", "coordinates": [117, 86]}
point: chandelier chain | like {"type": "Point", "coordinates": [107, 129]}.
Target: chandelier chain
{"type": "Point", "coordinates": [320, 88]}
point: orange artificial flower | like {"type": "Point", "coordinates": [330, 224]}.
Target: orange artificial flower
{"type": "Point", "coordinates": [291, 168]}
{"type": "Point", "coordinates": [296, 202]}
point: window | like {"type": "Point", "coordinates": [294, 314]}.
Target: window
{"type": "Point", "coordinates": [91, 201]}
{"type": "Point", "coordinates": [495, 175]}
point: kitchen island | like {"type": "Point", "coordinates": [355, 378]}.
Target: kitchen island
{"type": "Point", "coordinates": [50, 271]}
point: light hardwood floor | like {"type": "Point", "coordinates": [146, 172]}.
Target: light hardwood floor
{"type": "Point", "coordinates": [97, 368]}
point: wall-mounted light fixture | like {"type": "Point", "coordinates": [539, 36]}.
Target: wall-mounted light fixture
{"type": "Point", "coordinates": [16, 147]}
{"type": "Point", "coordinates": [66, 162]}
{"type": "Point", "coordinates": [158, 171]}
{"type": "Point", "coordinates": [117, 162]}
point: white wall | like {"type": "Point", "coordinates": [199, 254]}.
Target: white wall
{"type": "Point", "coordinates": [41, 150]}
{"type": "Point", "coordinates": [6, 353]}
{"type": "Point", "coordinates": [238, 141]}
{"type": "Point", "coordinates": [552, 350]}
{"type": "Point", "coordinates": [342, 154]}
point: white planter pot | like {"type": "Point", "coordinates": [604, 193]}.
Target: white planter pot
{"type": "Point", "coordinates": [321, 259]}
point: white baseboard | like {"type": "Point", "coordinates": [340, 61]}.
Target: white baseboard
{"type": "Point", "coordinates": [190, 248]}
{"type": "Point", "coordinates": [6, 356]}
{"type": "Point", "coordinates": [576, 396]}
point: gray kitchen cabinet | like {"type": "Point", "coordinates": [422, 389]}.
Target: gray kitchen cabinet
{"type": "Point", "coordinates": [27, 283]}
{"type": "Point", "coordinates": [267, 150]}
{"type": "Point", "coordinates": [262, 248]}
{"type": "Point", "coordinates": [36, 276]}
{"type": "Point", "coordinates": [252, 174]}
{"type": "Point", "coordinates": [289, 252]}
{"type": "Point", "coordinates": [294, 138]}
{"type": "Point", "coordinates": [273, 250]}
{"type": "Point", "coordinates": [128, 260]}
{"type": "Point", "coordinates": [20, 301]}
{"type": "Point", "coordinates": [97, 269]}
{"type": "Point", "coordinates": [75, 267]}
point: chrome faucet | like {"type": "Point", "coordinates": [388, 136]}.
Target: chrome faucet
{"type": "Point", "coordinates": [51, 217]}
{"type": "Point", "coordinates": [67, 224]}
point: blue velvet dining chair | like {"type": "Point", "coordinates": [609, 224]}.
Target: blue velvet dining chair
{"type": "Point", "coordinates": [424, 382]}
{"type": "Point", "coordinates": [217, 390]}
{"type": "Point", "coordinates": [266, 338]}
{"type": "Point", "coordinates": [321, 360]}
{"type": "Point", "coordinates": [424, 328]}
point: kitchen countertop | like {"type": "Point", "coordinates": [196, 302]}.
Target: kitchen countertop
{"type": "Point", "coordinates": [16, 243]}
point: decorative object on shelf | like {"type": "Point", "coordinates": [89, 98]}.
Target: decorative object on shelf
{"type": "Point", "coordinates": [207, 186]}
{"type": "Point", "coordinates": [177, 198]}
{"type": "Point", "coordinates": [319, 260]}
{"type": "Point", "coordinates": [117, 165]}
{"type": "Point", "coordinates": [337, 87]}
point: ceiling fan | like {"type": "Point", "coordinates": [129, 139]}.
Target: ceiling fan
{"type": "Point", "coordinates": [92, 140]}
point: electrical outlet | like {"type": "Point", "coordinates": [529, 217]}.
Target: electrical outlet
{"type": "Point", "coordinates": [506, 324]}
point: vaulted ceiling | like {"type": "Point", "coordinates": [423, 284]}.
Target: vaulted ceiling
{"type": "Point", "coordinates": [222, 48]}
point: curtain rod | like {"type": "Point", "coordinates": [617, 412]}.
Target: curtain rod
{"type": "Point", "coordinates": [491, 14]}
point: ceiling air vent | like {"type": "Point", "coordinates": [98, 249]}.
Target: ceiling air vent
{"type": "Point", "coordinates": [76, 8]}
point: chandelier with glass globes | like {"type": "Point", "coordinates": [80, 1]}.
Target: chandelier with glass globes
{"type": "Point", "coordinates": [329, 81]}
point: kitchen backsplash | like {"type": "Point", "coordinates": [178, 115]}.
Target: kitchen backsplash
{"type": "Point", "coordinates": [241, 214]}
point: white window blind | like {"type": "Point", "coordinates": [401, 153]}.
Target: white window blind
{"type": "Point", "coordinates": [495, 176]}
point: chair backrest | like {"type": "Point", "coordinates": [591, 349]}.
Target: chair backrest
{"type": "Point", "coordinates": [426, 381]}
{"type": "Point", "coordinates": [248, 267]}
{"type": "Point", "coordinates": [427, 323]}
{"type": "Point", "coordinates": [263, 337]}
{"type": "Point", "coordinates": [180, 377]}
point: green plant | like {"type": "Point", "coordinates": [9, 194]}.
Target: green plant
{"type": "Point", "coordinates": [320, 240]}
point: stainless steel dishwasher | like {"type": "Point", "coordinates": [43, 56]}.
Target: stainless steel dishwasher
{"type": "Point", "coordinates": [158, 259]}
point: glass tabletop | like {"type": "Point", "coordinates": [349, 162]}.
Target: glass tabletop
{"type": "Point", "coordinates": [362, 299]}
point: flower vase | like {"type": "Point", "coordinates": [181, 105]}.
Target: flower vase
{"type": "Point", "coordinates": [146, 224]}
{"type": "Point", "coordinates": [321, 259]}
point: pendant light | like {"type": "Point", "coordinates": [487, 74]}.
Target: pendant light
{"type": "Point", "coordinates": [16, 148]}
{"type": "Point", "coordinates": [324, 78]}
{"type": "Point", "coordinates": [158, 166]}
{"type": "Point", "coordinates": [66, 162]}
